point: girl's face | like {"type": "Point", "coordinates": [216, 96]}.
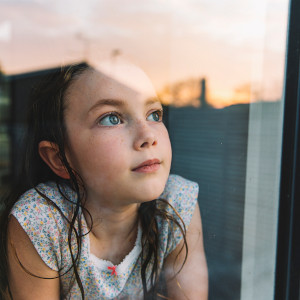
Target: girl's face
{"type": "Point", "coordinates": [116, 139]}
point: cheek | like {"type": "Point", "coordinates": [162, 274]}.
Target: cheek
{"type": "Point", "coordinates": [98, 155]}
{"type": "Point", "coordinates": [166, 144]}
{"type": "Point", "coordinates": [107, 155]}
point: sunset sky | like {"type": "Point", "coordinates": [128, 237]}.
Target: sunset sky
{"type": "Point", "coordinates": [238, 46]}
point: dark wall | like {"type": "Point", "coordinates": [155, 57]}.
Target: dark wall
{"type": "Point", "coordinates": [20, 89]}
{"type": "Point", "coordinates": [210, 147]}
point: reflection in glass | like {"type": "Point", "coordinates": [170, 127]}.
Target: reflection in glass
{"type": "Point", "coordinates": [218, 67]}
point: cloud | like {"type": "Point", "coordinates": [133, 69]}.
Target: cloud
{"type": "Point", "coordinates": [5, 31]}
{"type": "Point", "coordinates": [172, 38]}
{"type": "Point", "coordinates": [235, 22]}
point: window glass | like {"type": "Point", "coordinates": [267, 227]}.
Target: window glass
{"type": "Point", "coordinates": [218, 67]}
{"type": "Point", "coordinates": [4, 136]}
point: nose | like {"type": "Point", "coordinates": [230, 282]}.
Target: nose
{"type": "Point", "coordinates": [145, 137]}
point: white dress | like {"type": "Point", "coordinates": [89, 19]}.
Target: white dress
{"type": "Point", "coordinates": [48, 232]}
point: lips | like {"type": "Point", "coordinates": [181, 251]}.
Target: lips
{"type": "Point", "coordinates": [148, 166]}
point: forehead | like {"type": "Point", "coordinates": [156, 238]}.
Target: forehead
{"type": "Point", "coordinates": [119, 81]}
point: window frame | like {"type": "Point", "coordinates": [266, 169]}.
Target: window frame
{"type": "Point", "coordinates": [288, 241]}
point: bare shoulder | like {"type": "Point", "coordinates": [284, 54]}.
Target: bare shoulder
{"type": "Point", "coordinates": [25, 266]}
{"type": "Point", "coordinates": [192, 280]}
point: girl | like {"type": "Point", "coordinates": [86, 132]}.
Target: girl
{"type": "Point", "coordinates": [96, 214]}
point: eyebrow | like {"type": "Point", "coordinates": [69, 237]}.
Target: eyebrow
{"type": "Point", "coordinates": [152, 100]}
{"type": "Point", "coordinates": [120, 103]}
{"type": "Point", "coordinates": [111, 102]}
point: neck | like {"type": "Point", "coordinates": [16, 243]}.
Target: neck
{"type": "Point", "coordinates": [113, 232]}
{"type": "Point", "coordinates": [111, 222]}
{"type": "Point", "coordinates": [114, 227]}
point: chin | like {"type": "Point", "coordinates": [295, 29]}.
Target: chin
{"type": "Point", "coordinates": [152, 190]}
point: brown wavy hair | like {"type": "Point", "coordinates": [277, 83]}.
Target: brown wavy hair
{"type": "Point", "coordinates": [46, 122]}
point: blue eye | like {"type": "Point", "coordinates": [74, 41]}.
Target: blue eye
{"type": "Point", "coordinates": [156, 116]}
{"type": "Point", "coordinates": [110, 120]}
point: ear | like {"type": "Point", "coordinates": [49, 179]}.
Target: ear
{"type": "Point", "coordinates": [49, 153]}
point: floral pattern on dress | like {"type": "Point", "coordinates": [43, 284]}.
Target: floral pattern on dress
{"type": "Point", "coordinates": [48, 232]}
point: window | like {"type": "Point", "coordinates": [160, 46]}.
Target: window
{"type": "Point", "coordinates": [220, 68]}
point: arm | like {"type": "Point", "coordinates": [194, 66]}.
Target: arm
{"type": "Point", "coordinates": [24, 286]}
{"type": "Point", "coordinates": [191, 282]}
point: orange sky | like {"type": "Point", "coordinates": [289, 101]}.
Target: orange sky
{"type": "Point", "coordinates": [237, 46]}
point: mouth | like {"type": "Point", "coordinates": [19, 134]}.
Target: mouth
{"type": "Point", "coordinates": [148, 166]}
